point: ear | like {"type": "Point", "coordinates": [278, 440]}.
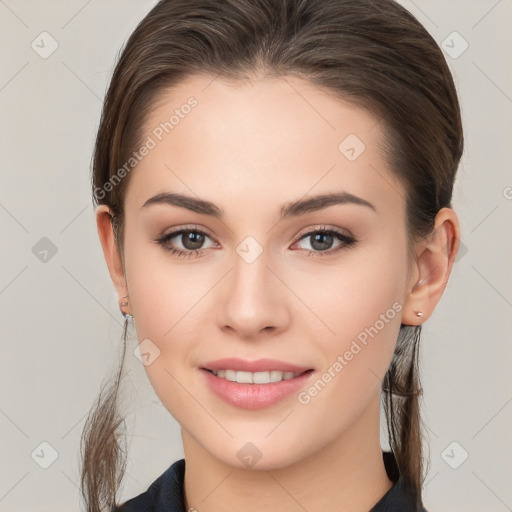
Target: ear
{"type": "Point", "coordinates": [111, 252]}
{"type": "Point", "coordinates": [432, 267]}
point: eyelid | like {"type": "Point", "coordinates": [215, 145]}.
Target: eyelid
{"type": "Point", "coordinates": [324, 227]}
{"type": "Point", "coordinates": [186, 227]}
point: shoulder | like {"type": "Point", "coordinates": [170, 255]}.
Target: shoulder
{"type": "Point", "coordinates": [165, 494]}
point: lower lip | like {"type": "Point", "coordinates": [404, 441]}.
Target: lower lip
{"type": "Point", "coordinates": [254, 396]}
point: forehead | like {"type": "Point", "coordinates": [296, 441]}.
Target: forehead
{"type": "Point", "coordinates": [265, 137]}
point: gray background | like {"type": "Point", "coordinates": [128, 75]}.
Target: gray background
{"type": "Point", "coordinates": [60, 323]}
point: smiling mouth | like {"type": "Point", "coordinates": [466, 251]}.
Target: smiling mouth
{"type": "Point", "coordinates": [264, 377]}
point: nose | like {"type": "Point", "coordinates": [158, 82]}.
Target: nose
{"type": "Point", "coordinates": [253, 301]}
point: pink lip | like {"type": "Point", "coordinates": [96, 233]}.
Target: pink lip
{"type": "Point", "coordinates": [254, 396]}
{"type": "Point", "coordinates": [260, 365]}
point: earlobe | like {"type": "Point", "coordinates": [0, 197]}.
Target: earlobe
{"type": "Point", "coordinates": [110, 250]}
{"type": "Point", "coordinates": [432, 267]}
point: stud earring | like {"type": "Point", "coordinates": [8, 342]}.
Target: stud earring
{"type": "Point", "coordinates": [124, 303]}
{"type": "Point", "coordinates": [419, 313]}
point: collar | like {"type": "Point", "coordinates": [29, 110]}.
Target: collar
{"type": "Point", "coordinates": [166, 493]}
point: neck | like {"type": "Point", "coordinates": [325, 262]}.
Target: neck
{"type": "Point", "coordinates": [347, 474]}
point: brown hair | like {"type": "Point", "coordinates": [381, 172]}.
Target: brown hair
{"type": "Point", "coordinates": [374, 54]}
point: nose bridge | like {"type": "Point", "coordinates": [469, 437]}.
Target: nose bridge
{"type": "Point", "coordinates": [254, 300]}
{"type": "Point", "coordinates": [250, 273]}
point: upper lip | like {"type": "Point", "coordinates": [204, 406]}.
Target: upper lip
{"type": "Point", "coordinates": [258, 365]}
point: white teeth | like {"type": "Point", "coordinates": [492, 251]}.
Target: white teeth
{"type": "Point", "coordinates": [255, 378]}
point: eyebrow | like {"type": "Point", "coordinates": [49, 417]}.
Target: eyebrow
{"type": "Point", "coordinates": [291, 209]}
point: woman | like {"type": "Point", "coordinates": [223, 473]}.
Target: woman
{"type": "Point", "coordinates": [274, 181]}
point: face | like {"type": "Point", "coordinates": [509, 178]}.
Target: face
{"type": "Point", "coordinates": [320, 285]}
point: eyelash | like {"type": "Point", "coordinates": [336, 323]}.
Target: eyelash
{"type": "Point", "coordinates": [347, 241]}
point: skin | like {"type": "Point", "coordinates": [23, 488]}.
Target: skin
{"type": "Point", "coordinates": [250, 148]}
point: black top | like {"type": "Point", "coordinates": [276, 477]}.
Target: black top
{"type": "Point", "coordinates": [165, 494]}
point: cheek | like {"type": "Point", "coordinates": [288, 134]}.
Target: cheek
{"type": "Point", "coordinates": [359, 306]}
{"type": "Point", "coordinates": [363, 308]}
{"type": "Point", "coordinates": [352, 295]}
{"type": "Point", "coordinates": [161, 291]}
{"type": "Point", "coordinates": [166, 304]}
